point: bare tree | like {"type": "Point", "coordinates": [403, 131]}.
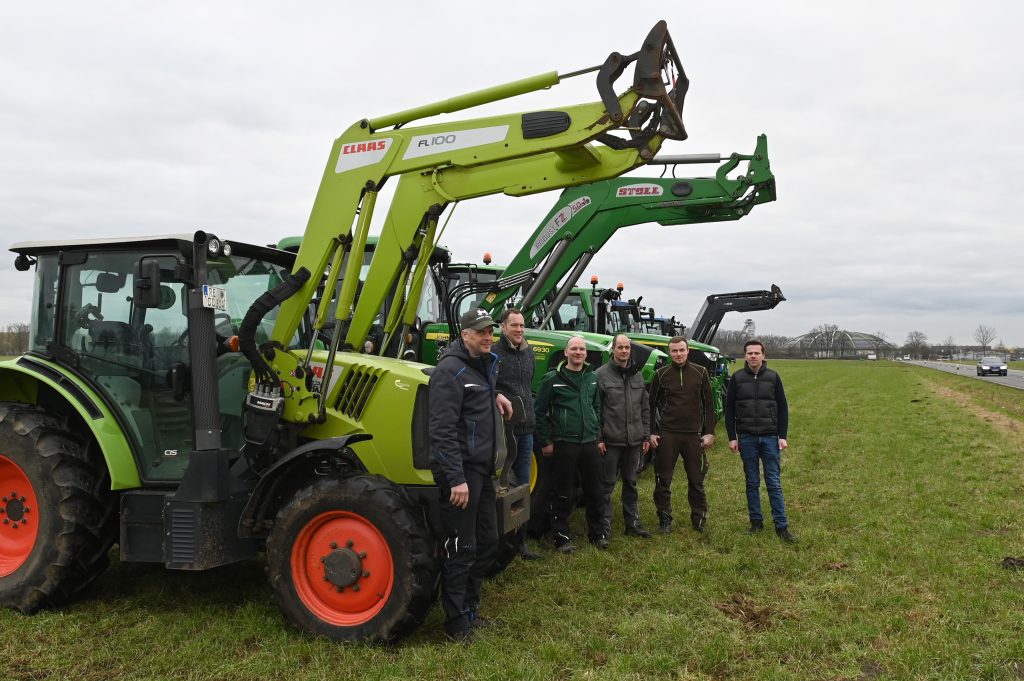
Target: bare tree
{"type": "Point", "coordinates": [879, 342]}
{"type": "Point", "coordinates": [984, 335]}
{"type": "Point", "coordinates": [916, 344]}
{"type": "Point", "coordinates": [949, 345]}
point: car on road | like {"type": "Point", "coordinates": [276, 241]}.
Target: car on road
{"type": "Point", "coordinates": [991, 365]}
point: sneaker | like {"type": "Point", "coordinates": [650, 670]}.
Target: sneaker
{"type": "Point", "coordinates": [784, 535]}
{"type": "Point", "coordinates": [755, 526]}
{"type": "Point", "coordinates": [566, 547]}
{"type": "Point", "coordinates": [637, 531]}
{"type": "Point", "coordinates": [601, 543]}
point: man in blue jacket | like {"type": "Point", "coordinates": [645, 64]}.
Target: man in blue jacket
{"type": "Point", "coordinates": [757, 419]}
{"type": "Point", "coordinates": [463, 442]}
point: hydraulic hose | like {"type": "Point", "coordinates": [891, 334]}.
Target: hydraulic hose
{"type": "Point", "coordinates": [259, 309]}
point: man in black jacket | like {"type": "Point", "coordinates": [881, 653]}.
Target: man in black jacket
{"type": "Point", "coordinates": [625, 431]}
{"type": "Point", "coordinates": [757, 419]}
{"type": "Point", "coordinates": [515, 381]}
{"type": "Point", "coordinates": [463, 431]}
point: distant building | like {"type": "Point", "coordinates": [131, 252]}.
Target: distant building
{"type": "Point", "coordinates": [831, 342]}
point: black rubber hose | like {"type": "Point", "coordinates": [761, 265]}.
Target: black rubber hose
{"type": "Point", "coordinates": [259, 309]}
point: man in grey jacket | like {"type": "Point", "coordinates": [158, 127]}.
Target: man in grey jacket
{"type": "Point", "coordinates": [625, 431]}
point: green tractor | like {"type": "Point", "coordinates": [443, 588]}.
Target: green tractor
{"type": "Point", "coordinates": [132, 420]}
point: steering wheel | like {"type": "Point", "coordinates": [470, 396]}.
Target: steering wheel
{"type": "Point", "coordinates": [180, 342]}
{"type": "Point", "coordinates": [82, 316]}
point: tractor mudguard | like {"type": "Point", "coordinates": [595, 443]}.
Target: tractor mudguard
{"type": "Point", "coordinates": [20, 380]}
{"type": "Point", "coordinates": [293, 469]}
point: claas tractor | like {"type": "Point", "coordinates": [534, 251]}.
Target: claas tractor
{"type": "Point", "coordinates": [199, 401]}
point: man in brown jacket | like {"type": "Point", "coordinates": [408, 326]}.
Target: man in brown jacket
{"type": "Point", "coordinates": [683, 424]}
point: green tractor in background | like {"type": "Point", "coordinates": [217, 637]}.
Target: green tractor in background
{"type": "Point", "coordinates": [132, 420]}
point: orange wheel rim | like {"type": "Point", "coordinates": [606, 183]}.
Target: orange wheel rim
{"type": "Point", "coordinates": [342, 568]}
{"type": "Point", "coordinates": [19, 516]}
{"type": "Point", "coordinates": [533, 472]}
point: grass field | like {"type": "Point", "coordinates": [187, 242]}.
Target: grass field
{"type": "Point", "coordinates": [905, 486]}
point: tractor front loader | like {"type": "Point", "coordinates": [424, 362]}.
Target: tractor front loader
{"type": "Point", "coordinates": [133, 420]}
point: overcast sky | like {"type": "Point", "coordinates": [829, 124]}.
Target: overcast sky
{"type": "Point", "coordinates": [894, 130]}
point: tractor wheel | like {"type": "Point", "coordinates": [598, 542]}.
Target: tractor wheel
{"type": "Point", "coordinates": [58, 517]}
{"type": "Point", "coordinates": [352, 560]}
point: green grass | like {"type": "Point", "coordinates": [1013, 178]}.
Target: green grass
{"type": "Point", "coordinates": [905, 486]}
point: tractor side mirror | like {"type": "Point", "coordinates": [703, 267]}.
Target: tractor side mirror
{"type": "Point", "coordinates": [147, 292]}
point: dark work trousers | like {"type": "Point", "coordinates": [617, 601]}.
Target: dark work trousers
{"type": "Point", "coordinates": [570, 456]}
{"type": "Point", "coordinates": [695, 461]}
{"type": "Point", "coordinates": [470, 546]}
{"type": "Point", "coordinates": [621, 461]}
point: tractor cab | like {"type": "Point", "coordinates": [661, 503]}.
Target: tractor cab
{"type": "Point", "coordinates": [89, 317]}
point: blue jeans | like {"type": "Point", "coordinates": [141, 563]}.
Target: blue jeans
{"type": "Point", "coordinates": [763, 449]}
{"type": "Point", "coordinates": [524, 458]}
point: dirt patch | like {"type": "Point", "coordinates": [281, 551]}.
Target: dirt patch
{"type": "Point", "coordinates": [836, 565]}
{"type": "Point", "coordinates": [1000, 421]}
{"type": "Point", "coordinates": [742, 608]}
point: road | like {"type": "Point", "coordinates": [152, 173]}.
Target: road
{"type": "Point", "coordinates": [1014, 379]}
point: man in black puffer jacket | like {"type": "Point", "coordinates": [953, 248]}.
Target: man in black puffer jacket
{"type": "Point", "coordinates": [757, 419]}
{"type": "Point", "coordinates": [463, 442]}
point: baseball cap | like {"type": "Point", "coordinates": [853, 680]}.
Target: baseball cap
{"type": "Point", "coordinates": [476, 319]}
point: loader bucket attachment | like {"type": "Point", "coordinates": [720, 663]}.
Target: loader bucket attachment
{"type": "Point", "coordinates": [658, 78]}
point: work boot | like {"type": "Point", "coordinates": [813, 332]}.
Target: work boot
{"type": "Point", "coordinates": [699, 524]}
{"type": "Point", "coordinates": [637, 531]}
{"type": "Point", "coordinates": [664, 523]}
{"type": "Point", "coordinates": [784, 535]}
{"type": "Point", "coordinates": [526, 554]}
{"type": "Point", "coordinates": [565, 547]}
{"type": "Point", "coordinates": [755, 526]}
{"type": "Point", "coordinates": [600, 543]}
{"type": "Point", "coordinates": [463, 636]}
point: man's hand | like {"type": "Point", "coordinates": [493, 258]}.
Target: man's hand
{"type": "Point", "coordinates": [460, 495]}
{"type": "Point", "coordinates": [707, 441]}
{"type": "Point", "coordinates": [548, 450]}
{"type": "Point", "coordinates": [655, 439]}
{"type": "Point", "coordinates": [734, 445]}
{"type": "Point", "coordinates": [601, 447]}
{"type": "Point", "coordinates": [504, 407]}
{"type": "Point", "coordinates": [647, 446]}
{"type": "Point", "coordinates": [782, 443]}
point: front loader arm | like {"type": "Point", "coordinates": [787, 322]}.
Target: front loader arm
{"type": "Point", "coordinates": [372, 150]}
{"type": "Point", "coordinates": [445, 162]}
{"type": "Point", "coordinates": [586, 217]}
{"type": "Point", "coordinates": [705, 325]}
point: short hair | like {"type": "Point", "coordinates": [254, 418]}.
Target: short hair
{"type": "Point", "coordinates": [505, 314]}
{"type": "Point", "coordinates": [572, 338]}
{"type": "Point", "coordinates": [753, 341]}
{"type": "Point", "coordinates": [679, 339]}
{"type": "Point", "coordinates": [615, 341]}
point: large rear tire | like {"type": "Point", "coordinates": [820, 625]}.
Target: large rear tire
{"type": "Point", "coordinates": [352, 560]}
{"type": "Point", "coordinates": [58, 517]}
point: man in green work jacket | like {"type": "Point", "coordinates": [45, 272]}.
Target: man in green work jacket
{"type": "Point", "coordinates": [568, 409]}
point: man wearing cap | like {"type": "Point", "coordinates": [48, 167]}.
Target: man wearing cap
{"type": "Point", "coordinates": [463, 438]}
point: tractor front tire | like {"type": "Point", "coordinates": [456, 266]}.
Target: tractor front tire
{"type": "Point", "coordinates": [58, 517]}
{"type": "Point", "coordinates": [352, 560]}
